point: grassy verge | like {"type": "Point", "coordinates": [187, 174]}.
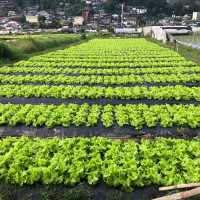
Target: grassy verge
{"type": "Point", "coordinates": [14, 48]}
{"type": "Point", "coordinates": [187, 52]}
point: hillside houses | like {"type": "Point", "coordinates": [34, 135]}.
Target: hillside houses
{"type": "Point", "coordinates": [196, 16]}
{"type": "Point", "coordinates": [8, 5]}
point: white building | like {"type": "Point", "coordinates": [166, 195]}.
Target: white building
{"type": "Point", "coordinates": [12, 25]}
{"type": "Point", "coordinates": [125, 31]}
{"type": "Point", "coordinates": [11, 13]}
{"type": "Point", "coordinates": [32, 19]}
{"type": "Point", "coordinates": [78, 21]}
{"type": "Point", "coordinates": [196, 16]}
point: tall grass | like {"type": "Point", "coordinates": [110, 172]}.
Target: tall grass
{"type": "Point", "coordinates": [9, 53]}
{"type": "Point", "coordinates": [20, 47]}
{"type": "Point", "coordinates": [31, 44]}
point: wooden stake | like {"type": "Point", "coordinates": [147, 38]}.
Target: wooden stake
{"type": "Point", "coordinates": [181, 195]}
{"type": "Point", "coordinates": [180, 186]}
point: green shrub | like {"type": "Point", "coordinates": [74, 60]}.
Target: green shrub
{"type": "Point", "coordinates": [5, 52]}
{"type": "Point", "coordinates": [9, 53]}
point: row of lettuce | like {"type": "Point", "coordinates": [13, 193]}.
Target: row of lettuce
{"type": "Point", "coordinates": [104, 80]}
{"type": "Point", "coordinates": [136, 116]}
{"type": "Point", "coordinates": [96, 71]}
{"type": "Point", "coordinates": [120, 164]}
{"type": "Point", "coordinates": [105, 59]}
{"type": "Point", "coordinates": [67, 92]}
{"type": "Point", "coordinates": [86, 64]}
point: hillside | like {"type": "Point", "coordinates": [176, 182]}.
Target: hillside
{"type": "Point", "coordinates": [75, 7]}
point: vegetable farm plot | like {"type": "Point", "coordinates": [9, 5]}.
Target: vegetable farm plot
{"type": "Point", "coordinates": [105, 86]}
{"type": "Point", "coordinates": [116, 88]}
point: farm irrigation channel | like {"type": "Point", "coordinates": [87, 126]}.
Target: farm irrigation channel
{"type": "Point", "coordinates": [189, 40]}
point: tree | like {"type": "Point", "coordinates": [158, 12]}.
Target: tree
{"type": "Point", "coordinates": [110, 6]}
{"type": "Point", "coordinates": [42, 20]}
{"type": "Point", "coordinates": [155, 8]}
{"type": "Point", "coordinates": [75, 8]}
{"type": "Point", "coordinates": [182, 7]}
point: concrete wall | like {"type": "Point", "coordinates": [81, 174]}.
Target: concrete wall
{"type": "Point", "coordinates": [147, 30]}
{"type": "Point", "coordinates": [163, 33]}
{"type": "Point", "coordinates": [196, 29]}
{"type": "Point", "coordinates": [155, 32]}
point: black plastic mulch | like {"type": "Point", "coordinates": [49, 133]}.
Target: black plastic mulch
{"type": "Point", "coordinates": [99, 130]}
{"type": "Point", "coordinates": [102, 101]}
{"type": "Point", "coordinates": [79, 192]}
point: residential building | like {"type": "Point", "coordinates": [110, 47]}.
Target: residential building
{"type": "Point", "coordinates": [78, 21]}
{"type": "Point", "coordinates": [196, 16]}
{"type": "Point", "coordinates": [32, 19]}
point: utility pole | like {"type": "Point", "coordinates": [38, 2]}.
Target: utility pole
{"type": "Point", "coordinates": [122, 15]}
